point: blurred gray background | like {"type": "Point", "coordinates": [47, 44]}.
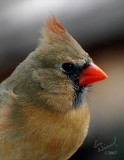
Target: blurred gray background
{"type": "Point", "coordinates": [99, 27]}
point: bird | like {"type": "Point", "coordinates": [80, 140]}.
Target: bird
{"type": "Point", "coordinates": [44, 114]}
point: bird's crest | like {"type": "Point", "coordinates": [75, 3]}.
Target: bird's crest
{"type": "Point", "coordinates": [53, 25]}
{"type": "Point", "coordinates": [54, 30]}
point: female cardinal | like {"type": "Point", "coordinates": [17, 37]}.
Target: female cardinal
{"type": "Point", "coordinates": [43, 111]}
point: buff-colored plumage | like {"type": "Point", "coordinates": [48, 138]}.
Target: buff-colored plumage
{"type": "Point", "coordinates": [38, 120]}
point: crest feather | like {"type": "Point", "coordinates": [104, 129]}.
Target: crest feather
{"type": "Point", "coordinates": [53, 25]}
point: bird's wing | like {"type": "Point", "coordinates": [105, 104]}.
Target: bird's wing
{"type": "Point", "coordinates": [7, 98]}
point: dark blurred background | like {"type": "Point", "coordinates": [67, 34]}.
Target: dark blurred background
{"type": "Point", "coordinates": [99, 27]}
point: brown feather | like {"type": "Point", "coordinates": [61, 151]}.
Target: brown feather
{"type": "Point", "coordinates": [46, 134]}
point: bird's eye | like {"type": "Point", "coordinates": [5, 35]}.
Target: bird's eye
{"type": "Point", "coordinates": [68, 67]}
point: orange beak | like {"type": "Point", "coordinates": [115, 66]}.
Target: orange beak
{"type": "Point", "coordinates": [91, 74]}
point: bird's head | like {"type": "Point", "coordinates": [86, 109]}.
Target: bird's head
{"type": "Point", "coordinates": [64, 69]}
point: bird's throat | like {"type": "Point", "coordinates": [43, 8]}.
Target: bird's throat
{"type": "Point", "coordinates": [79, 95]}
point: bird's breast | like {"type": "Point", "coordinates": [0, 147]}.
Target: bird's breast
{"type": "Point", "coordinates": [58, 134]}
{"type": "Point", "coordinates": [48, 134]}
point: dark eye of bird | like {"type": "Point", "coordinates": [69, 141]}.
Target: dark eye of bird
{"type": "Point", "coordinates": [68, 67]}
